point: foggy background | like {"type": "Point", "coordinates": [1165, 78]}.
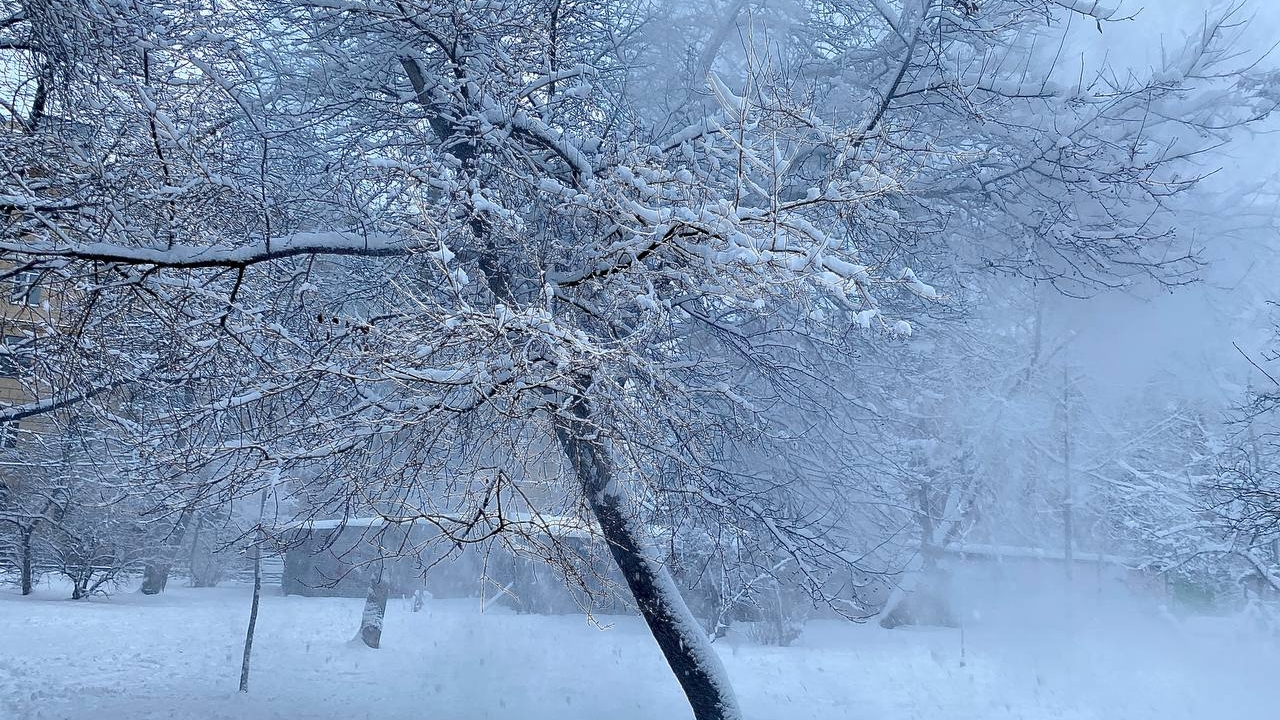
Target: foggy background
{"type": "Point", "coordinates": [1127, 340]}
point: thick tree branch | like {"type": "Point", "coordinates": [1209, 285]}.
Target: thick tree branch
{"type": "Point", "coordinates": [340, 244]}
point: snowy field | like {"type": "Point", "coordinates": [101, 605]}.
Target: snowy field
{"type": "Point", "coordinates": [176, 655]}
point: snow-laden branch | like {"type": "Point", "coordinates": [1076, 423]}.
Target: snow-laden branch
{"type": "Point", "coordinates": [334, 243]}
{"type": "Point", "coordinates": [14, 413]}
{"type": "Point", "coordinates": [1093, 8]}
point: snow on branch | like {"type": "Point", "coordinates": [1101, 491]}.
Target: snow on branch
{"type": "Point", "coordinates": [14, 413]}
{"type": "Point", "coordinates": [216, 256]}
{"type": "Point", "coordinates": [1093, 8]}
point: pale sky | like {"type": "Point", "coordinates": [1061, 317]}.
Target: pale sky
{"type": "Point", "coordinates": [1122, 341]}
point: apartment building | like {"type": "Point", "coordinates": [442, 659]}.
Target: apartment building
{"type": "Point", "coordinates": [28, 307]}
{"type": "Point", "coordinates": [25, 311]}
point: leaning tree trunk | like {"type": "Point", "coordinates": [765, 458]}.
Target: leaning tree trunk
{"type": "Point", "coordinates": [679, 635]}
{"type": "Point", "coordinates": [375, 607]}
{"type": "Point", "coordinates": [686, 647]}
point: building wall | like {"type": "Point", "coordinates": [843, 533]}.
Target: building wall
{"type": "Point", "coordinates": [27, 310]}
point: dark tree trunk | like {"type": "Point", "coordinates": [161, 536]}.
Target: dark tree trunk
{"type": "Point", "coordinates": [79, 589]}
{"type": "Point", "coordinates": [375, 608]}
{"type": "Point", "coordinates": [155, 573]}
{"type": "Point", "coordinates": [27, 573]}
{"type": "Point", "coordinates": [687, 649]}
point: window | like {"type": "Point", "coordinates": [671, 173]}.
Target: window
{"type": "Point", "coordinates": [13, 356]}
{"type": "Point", "coordinates": [9, 434]}
{"type": "Point", "coordinates": [25, 288]}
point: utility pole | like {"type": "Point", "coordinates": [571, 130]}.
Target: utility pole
{"type": "Point", "coordinates": [259, 538]}
{"type": "Point", "coordinates": [1068, 505]}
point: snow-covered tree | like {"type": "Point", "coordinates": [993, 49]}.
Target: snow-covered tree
{"type": "Point", "coordinates": [444, 254]}
{"type": "Point", "coordinates": [1242, 503]}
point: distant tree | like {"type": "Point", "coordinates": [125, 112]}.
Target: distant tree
{"type": "Point", "coordinates": [1242, 502]}
{"type": "Point", "coordinates": [23, 512]}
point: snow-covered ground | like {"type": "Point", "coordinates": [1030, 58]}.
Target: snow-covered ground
{"type": "Point", "coordinates": [177, 655]}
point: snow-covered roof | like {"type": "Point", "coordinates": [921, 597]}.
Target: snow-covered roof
{"type": "Point", "coordinates": [562, 525]}
{"type": "Point", "coordinates": [354, 522]}
{"type": "Point", "coordinates": [1033, 553]}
